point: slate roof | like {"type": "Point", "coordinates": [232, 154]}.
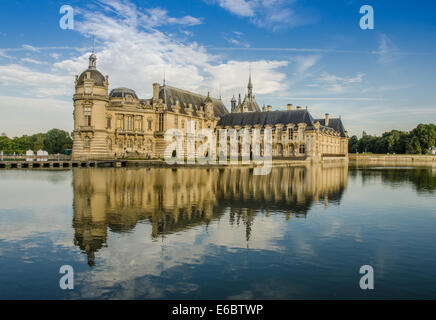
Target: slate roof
{"type": "Point", "coordinates": [280, 117]}
{"type": "Point", "coordinates": [263, 118]}
{"type": "Point", "coordinates": [170, 95]}
{"type": "Point", "coordinates": [334, 123]}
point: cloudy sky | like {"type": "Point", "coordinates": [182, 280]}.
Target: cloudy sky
{"type": "Point", "coordinates": [308, 53]}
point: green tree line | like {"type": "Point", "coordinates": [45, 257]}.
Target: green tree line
{"type": "Point", "coordinates": [417, 141]}
{"type": "Point", "coordinates": [54, 141]}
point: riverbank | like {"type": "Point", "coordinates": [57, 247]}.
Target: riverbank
{"type": "Point", "coordinates": [392, 160]}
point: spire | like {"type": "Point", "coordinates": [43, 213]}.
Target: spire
{"type": "Point", "coordinates": [164, 82]}
{"type": "Point", "coordinates": [208, 99]}
{"type": "Point", "coordinates": [250, 85]}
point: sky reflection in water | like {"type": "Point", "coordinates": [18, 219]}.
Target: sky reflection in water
{"type": "Point", "coordinates": [218, 234]}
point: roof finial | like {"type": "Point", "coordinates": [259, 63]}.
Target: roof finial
{"type": "Point", "coordinates": [92, 61]}
{"type": "Point", "coordinates": [164, 79]}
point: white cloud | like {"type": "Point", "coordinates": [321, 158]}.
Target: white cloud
{"type": "Point", "coordinates": [157, 17]}
{"type": "Point", "coordinates": [236, 38]}
{"type": "Point", "coordinates": [136, 56]}
{"type": "Point", "coordinates": [273, 14]}
{"type": "Point", "coordinates": [232, 77]}
{"type": "Point", "coordinates": [305, 62]}
{"type": "Point", "coordinates": [133, 54]}
{"type": "Point", "coordinates": [40, 84]}
{"type": "Point", "coordinates": [243, 8]}
{"type": "Point", "coordinates": [386, 49]}
{"type": "Point", "coordinates": [337, 84]}
{"type": "Point", "coordinates": [30, 60]}
{"type": "Point", "coordinates": [29, 48]}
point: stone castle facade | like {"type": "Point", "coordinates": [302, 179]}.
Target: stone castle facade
{"type": "Point", "coordinates": [118, 123]}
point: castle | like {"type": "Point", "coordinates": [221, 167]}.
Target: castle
{"type": "Point", "coordinates": [118, 123]}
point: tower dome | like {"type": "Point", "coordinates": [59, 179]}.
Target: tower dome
{"type": "Point", "coordinates": [99, 79]}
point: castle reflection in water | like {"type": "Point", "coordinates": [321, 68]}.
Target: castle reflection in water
{"type": "Point", "coordinates": [172, 200]}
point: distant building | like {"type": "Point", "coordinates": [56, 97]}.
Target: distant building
{"type": "Point", "coordinates": [295, 132]}
{"type": "Point", "coordinates": [249, 104]}
{"type": "Point", "coordinates": [118, 123]}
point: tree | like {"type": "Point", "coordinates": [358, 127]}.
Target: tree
{"type": "Point", "coordinates": [414, 146]}
{"type": "Point", "coordinates": [56, 141]}
{"type": "Point", "coordinates": [417, 141]}
{"type": "Point", "coordinates": [423, 135]}
{"type": "Point", "coordinates": [352, 144]}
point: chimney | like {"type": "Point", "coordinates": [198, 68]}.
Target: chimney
{"type": "Point", "coordinates": [327, 119]}
{"type": "Point", "coordinates": [289, 107]}
{"type": "Point", "coordinates": [269, 108]}
{"type": "Point", "coordinates": [156, 87]}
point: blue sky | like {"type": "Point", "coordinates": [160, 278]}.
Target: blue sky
{"type": "Point", "coordinates": [308, 53]}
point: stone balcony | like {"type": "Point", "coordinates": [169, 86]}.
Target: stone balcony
{"type": "Point", "coordinates": [86, 128]}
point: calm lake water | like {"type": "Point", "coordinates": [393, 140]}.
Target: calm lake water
{"type": "Point", "coordinates": [299, 233]}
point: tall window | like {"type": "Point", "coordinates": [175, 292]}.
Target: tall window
{"type": "Point", "coordinates": [87, 113]}
{"type": "Point", "coordinates": [129, 123]}
{"type": "Point", "coordinates": [161, 122]}
{"type": "Point", "coordinates": [149, 123]}
{"type": "Point", "coordinates": [302, 149]}
{"type": "Point", "coordinates": [291, 134]}
{"type": "Point", "coordinates": [88, 121]}
{"type": "Point", "coordinates": [109, 123]}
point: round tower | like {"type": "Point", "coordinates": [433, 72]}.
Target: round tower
{"type": "Point", "coordinates": [90, 101]}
